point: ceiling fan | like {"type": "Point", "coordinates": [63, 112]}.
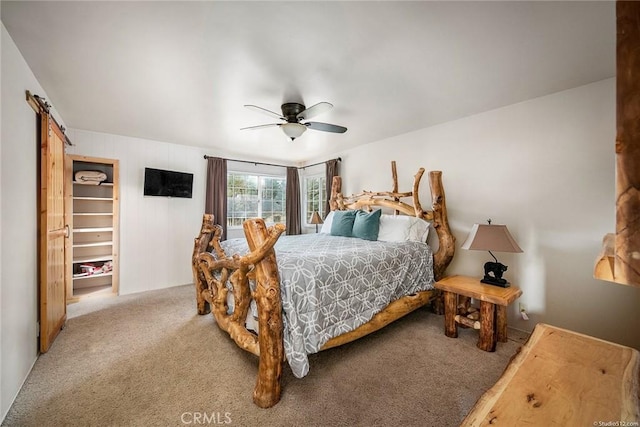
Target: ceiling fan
{"type": "Point", "coordinates": [295, 118]}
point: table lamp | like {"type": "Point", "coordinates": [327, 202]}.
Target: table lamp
{"type": "Point", "coordinates": [315, 219]}
{"type": "Point", "coordinates": [489, 237]}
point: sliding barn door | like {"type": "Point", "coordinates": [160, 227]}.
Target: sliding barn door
{"type": "Point", "coordinates": [53, 232]}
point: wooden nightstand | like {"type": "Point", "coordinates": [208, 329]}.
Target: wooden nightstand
{"type": "Point", "coordinates": [493, 308]}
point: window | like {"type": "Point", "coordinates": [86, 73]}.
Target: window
{"type": "Point", "coordinates": [315, 195]}
{"type": "Point", "coordinates": [251, 196]}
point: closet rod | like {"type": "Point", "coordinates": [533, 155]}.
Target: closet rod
{"type": "Point", "coordinates": [269, 164]}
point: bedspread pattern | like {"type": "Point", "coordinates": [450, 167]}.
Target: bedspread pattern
{"type": "Point", "coordinates": [331, 285]}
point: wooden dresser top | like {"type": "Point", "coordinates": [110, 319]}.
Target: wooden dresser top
{"type": "Point", "coordinates": [564, 378]}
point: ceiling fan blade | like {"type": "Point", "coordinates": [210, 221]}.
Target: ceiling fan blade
{"type": "Point", "coordinates": [314, 110]}
{"type": "Point", "coordinates": [261, 126]}
{"type": "Point", "coordinates": [325, 127]}
{"type": "Point", "coordinates": [265, 111]}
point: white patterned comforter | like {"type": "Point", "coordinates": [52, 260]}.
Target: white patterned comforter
{"type": "Point", "coordinates": [331, 285]}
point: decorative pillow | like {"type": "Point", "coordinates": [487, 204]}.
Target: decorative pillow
{"type": "Point", "coordinates": [326, 225]}
{"type": "Point", "coordinates": [419, 230]}
{"type": "Point", "coordinates": [342, 223]}
{"type": "Point", "coordinates": [367, 225]}
{"type": "Point", "coordinates": [399, 228]}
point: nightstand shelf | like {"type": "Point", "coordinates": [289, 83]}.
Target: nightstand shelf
{"type": "Point", "coordinates": [493, 308]}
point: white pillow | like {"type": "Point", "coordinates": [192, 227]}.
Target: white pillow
{"type": "Point", "coordinates": [326, 225]}
{"type": "Point", "coordinates": [419, 230]}
{"type": "Point", "coordinates": [399, 228]}
{"type": "Point", "coordinates": [393, 228]}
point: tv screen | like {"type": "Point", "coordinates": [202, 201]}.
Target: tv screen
{"type": "Point", "coordinates": [159, 182]}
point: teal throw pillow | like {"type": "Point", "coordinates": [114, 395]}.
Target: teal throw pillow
{"type": "Point", "coordinates": [367, 225]}
{"type": "Point", "coordinates": [343, 223]}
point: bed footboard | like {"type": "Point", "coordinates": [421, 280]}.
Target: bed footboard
{"type": "Point", "coordinates": [211, 275]}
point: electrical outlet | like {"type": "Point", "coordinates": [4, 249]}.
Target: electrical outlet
{"type": "Point", "coordinates": [522, 308]}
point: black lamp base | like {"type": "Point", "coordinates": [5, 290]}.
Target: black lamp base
{"type": "Point", "coordinates": [495, 282]}
{"type": "Point", "coordinates": [493, 274]}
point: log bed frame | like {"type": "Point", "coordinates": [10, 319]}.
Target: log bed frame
{"type": "Point", "coordinates": [260, 266]}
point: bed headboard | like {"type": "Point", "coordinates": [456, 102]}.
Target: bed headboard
{"type": "Point", "coordinates": [437, 216]}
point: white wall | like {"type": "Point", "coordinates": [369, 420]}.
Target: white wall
{"type": "Point", "coordinates": [18, 230]}
{"type": "Point", "coordinates": [545, 168]}
{"type": "Point", "coordinates": [156, 233]}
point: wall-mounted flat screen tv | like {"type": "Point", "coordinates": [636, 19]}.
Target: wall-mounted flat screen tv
{"type": "Point", "coordinates": [165, 183]}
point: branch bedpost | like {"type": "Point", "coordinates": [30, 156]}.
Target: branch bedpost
{"type": "Point", "coordinates": [416, 195]}
{"type": "Point", "coordinates": [202, 244]}
{"type": "Point", "coordinates": [394, 177]}
{"type": "Point", "coordinates": [442, 258]}
{"type": "Point", "coordinates": [336, 193]}
{"type": "Point", "coordinates": [268, 299]}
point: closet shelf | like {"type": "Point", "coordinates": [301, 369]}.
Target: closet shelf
{"type": "Point", "coordinates": [93, 244]}
{"type": "Point", "coordinates": [92, 213]}
{"type": "Point", "coordinates": [92, 276]}
{"type": "Point", "coordinates": [92, 229]}
{"type": "Point", "coordinates": [93, 198]}
{"type": "Point", "coordinates": [102, 184]}
{"type": "Point", "coordinates": [95, 258]}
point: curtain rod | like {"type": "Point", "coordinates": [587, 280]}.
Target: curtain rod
{"type": "Point", "coordinates": [270, 164]}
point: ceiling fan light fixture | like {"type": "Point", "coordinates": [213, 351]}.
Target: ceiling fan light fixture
{"type": "Point", "coordinates": [295, 118]}
{"type": "Point", "coordinates": [293, 130]}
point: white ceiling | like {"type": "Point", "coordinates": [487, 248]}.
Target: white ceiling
{"type": "Point", "coordinates": [181, 72]}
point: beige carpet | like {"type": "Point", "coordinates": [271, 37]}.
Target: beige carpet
{"type": "Point", "coordinates": [149, 360]}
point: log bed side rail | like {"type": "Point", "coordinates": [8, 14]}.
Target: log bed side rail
{"type": "Point", "coordinates": [392, 312]}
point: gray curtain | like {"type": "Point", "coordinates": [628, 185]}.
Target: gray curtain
{"type": "Point", "coordinates": [216, 197]}
{"type": "Point", "coordinates": [294, 217]}
{"type": "Point", "coordinates": [331, 171]}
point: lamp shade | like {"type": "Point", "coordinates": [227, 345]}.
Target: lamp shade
{"type": "Point", "coordinates": [490, 237]}
{"type": "Point", "coordinates": [315, 219]}
{"type": "Point", "coordinates": [293, 130]}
